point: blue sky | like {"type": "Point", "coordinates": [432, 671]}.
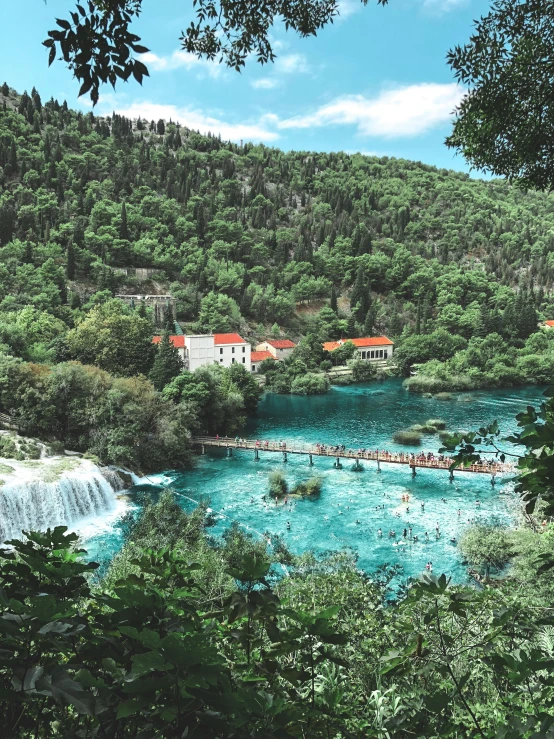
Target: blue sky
{"type": "Point", "coordinates": [376, 81]}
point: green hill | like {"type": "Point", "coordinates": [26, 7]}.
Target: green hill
{"type": "Point", "coordinates": [81, 197]}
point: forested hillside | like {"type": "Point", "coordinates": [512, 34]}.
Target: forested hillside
{"type": "Point", "coordinates": [243, 233]}
{"type": "Point", "coordinates": [457, 271]}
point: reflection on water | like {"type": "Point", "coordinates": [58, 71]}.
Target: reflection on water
{"type": "Point", "coordinates": [353, 506]}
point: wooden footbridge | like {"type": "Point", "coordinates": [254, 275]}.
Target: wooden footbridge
{"type": "Point", "coordinates": [422, 460]}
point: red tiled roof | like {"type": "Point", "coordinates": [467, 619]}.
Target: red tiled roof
{"type": "Point", "coordinates": [228, 339]}
{"type": "Point", "coordinates": [177, 341]}
{"type": "Point", "coordinates": [260, 356]}
{"type": "Point", "coordinates": [281, 343]}
{"type": "Point", "coordinates": [373, 341]}
{"type": "Point", "coordinates": [330, 346]}
{"type": "Point", "coordinates": [549, 323]}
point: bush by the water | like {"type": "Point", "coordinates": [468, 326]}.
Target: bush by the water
{"type": "Point", "coordinates": [278, 486]}
{"type": "Point", "coordinates": [309, 488]}
{"type": "Point", "coordinates": [310, 384]}
{"type": "Point", "coordinates": [409, 438]}
{"type": "Point", "coordinates": [437, 423]}
{"type": "Point", "coordinates": [426, 428]}
{"type": "Point", "coordinates": [444, 396]}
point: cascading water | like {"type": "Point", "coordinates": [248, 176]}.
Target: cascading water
{"type": "Point", "coordinates": [35, 505]}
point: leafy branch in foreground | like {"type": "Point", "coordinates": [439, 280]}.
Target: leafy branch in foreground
{"type": "Point", "coordinates": [98, 46]}
{"type": "Point", "coordinates": [535, 466]}
{"type": "Point", "coordinates": [504, 124]}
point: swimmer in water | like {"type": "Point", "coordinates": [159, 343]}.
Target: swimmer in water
{"type": "Point", "coordinates": [357, 520]}
{"type": "Point", "coordinates": [288, 525]}
{"type": "Point", "coordinates": [379, 533]}
{"type": "Point", "coordinates": [459, 512]}
{"type": "Point", "coordinates": [423, 506]}
{"type": "Point", "coordinates": [426, 536]}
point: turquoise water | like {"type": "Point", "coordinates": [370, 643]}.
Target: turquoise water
{"type": "Point", "coordinates": [361, 415]}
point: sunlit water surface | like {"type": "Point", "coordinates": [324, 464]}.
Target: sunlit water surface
{"type": "Point", "coordinates": [358, 416]}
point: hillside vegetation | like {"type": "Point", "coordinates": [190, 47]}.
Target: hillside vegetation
{"type": "Point", "coordinates": [248, 238]}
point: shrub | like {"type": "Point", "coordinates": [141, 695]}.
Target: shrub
{"type": "Point", "coordinates": [438, 423]}
{"type": "Point", "coordinates": [278, 486]}
{"type": "Point", "coordinates": [311, 487]}
{"type": "Point", "coordinates": [444, 396]}
{"type": "Point", "coordinates": [425, 384]}
{"type": "Point", "coordinates": [310, 384]}
{"type": "Point", "coordinates": [410, 438]}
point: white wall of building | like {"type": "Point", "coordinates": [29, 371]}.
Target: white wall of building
{"type": "Point", "coordinates": [228, 354]}
{"type": "Point", "coordinates": [375, 353]}
{"type": "Point", "coordinates": [199, 351]}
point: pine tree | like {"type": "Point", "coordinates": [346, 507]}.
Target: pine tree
{"type": "Point", "coordinates": [167, 364]}
{"type": "Point", "coordinates": [418, 318]}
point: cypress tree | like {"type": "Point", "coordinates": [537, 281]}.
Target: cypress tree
{"type": "Point", "coordinates": [70, 266]}
{"type": "Point", "coordinates": [334, 304]}
{"type": "Point", "coordinates": [369, 322]}
{"type": "Point", "coordinates": [168, 319]}
{"type": "Point", "coordinates": [123, 230]}
{"type": "Point", "coordinates": [167, 364]}
{"type": "Point", "coordinates": [351, 328]}
{"type": "Point", "coordinates": [359, 298]}
{"type": "Point", "coordinates": [141, 310]}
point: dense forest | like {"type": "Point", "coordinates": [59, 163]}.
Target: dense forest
{"type": "Point", "coordinates": [314, 246]}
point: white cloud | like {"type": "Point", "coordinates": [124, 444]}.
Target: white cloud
{"type": "Point", "coordinates": [349, 7]}
{"type": "Point", "coordinates": [265, 83]}
{"type": "Point", "coordinates": [199, 121]}
{"type": "Point", "coordinates": [439, 7]}
{"type": "Point", "coordinates": [180, 59]}
{"type": "Point", "coordinates": [286, 64]}
{"type": "Point", "coordinates": [292, 64]}
{"type": "Point", "coordinates": [404, 111]}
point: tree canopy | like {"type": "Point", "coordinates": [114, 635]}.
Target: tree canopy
{"type": "Point", "coordinates": [505, 123]}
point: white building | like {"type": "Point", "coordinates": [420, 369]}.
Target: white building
{"type": "Point", "coordinates": [231, 348]}
{"type": "Point", "coordinates": [278, 348]}
{"type": "Point", "coordinates": [372, 349]}
{"type": "Point", "coordinates": [202, 349]}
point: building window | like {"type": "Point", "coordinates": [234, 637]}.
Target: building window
{"type": "Point", "coordinates": [244, 360]}
{"type": "Point", "coordinates": [243, 349]}
{"type": "Point", "coordinates": [373, 354]}
{"type": "Point", "coordinates": [386, 354]}
{"type": "Point", "coordinates": [380, 352]}
{"type": "Point", "coordinates": [253, 368]}
{"type": "Point", "coordinates": [363, 355]}
{"type": "Point", "coordinates": [233, 360]}
{"type": "Point", "coordinates": [232, 350]}
{"type": "Point", "coordinates": [221, 350]}
{"type": "Point", "coordinates": [221, 360]}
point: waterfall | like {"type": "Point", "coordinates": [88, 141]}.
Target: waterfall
{"type": "Point", "coordinates": [35, 505]}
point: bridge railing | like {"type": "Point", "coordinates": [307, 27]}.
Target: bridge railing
{"type": "Point", "coordinates": [490, 467]}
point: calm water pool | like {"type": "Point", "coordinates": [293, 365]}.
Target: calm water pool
{"type": "Point", "coordinates": [361, 415]}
